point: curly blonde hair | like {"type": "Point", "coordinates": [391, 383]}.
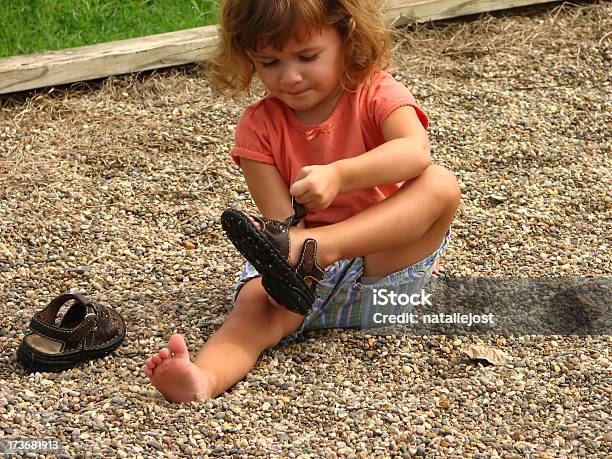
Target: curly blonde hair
{"type": "Point", "coordinates": [248, 25]}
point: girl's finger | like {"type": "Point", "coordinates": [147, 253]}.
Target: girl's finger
{"type": "Point", "coordinates": [303, 197]}
{"type": "Point", "coordinates": [312, 205]}
{"type": "Point", "coordinates": [298, 188]}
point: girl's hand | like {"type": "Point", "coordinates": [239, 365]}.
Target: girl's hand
{"type": "Point", "coordinates": [316, 186]}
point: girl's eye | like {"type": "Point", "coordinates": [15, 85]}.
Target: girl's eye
{"type": "Point", "coordinates": [269, 63]}
{"type": "Point", "coordinates": [310, 58]}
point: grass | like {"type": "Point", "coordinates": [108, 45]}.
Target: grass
{"type": "Point", "coordinates": [43, 25]}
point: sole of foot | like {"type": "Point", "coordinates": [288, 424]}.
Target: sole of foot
{"type": "Point", "coordinates": [175, 376]}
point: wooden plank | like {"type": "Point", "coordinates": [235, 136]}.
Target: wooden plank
{"type": "Point", "coordinates": [192, 45]}
{"type": "Point", "coordinates": [96, 61]}
{"type": "Point", "coordinates": [399, 12]}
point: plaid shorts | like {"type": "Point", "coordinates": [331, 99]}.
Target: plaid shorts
{"type": "Point", "coordinates": [343, 297]}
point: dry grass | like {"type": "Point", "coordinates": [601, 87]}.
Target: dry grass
{"type": "Point", "coordinates": [434, 49]}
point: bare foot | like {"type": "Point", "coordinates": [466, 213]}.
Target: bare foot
{"type": "Point", "coordinates": [175, 376]}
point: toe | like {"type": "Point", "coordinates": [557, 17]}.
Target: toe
{"type": "Point", "coordinates": [156, 359]}
{"type": "Point", "coordinates": [177, 344]}
{"type": "Point", "coordinates": [164, 353]}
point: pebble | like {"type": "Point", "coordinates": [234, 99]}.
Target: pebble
{"type": "Point", "coordinates": [124, 205]}
{"type": "Point", "coordinates": [154, 444]}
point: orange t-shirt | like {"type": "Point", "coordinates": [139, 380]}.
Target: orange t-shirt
{"type": "Point", "coordinates": [269, 132]}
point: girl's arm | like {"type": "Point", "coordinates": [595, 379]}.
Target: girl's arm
{"type": "Point", "coordinates": [268, 189]}
{"type": "Point", "coordinates": [403, 156]}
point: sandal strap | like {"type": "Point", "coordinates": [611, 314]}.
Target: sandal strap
{"type": "Point", "coordinates": [49, 313]}
{"type": "Point", "coordinates": [43, 322]}
{"type": "Point", "coordinates": [71, 335]}
{"type": "Point", "coordinates": [299, 212]}
{"type": "Point", "coordinates": [308, 268]}
{"type": "Point", "coordinates": [277, 232]}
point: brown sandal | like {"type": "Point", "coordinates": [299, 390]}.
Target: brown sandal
{"type": "Point", "coordinates": [267, 249]}
{"type": "Point", "coordinates": [87, 330]}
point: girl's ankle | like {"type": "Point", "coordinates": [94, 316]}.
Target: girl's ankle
{"type": "Point", "coordinates": [210, 385]}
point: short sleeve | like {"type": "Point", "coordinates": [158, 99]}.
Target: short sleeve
{"type": "Point", "coordinates": [252, 140]}
{"type": "Point", "coordinates": [387, 95]}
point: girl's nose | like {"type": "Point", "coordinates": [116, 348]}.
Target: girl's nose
{"type": "Point", "coordinates": [290, 77]}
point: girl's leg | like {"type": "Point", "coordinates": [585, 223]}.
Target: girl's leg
{"type": "Point", "coordinates": [394, 233]}
{"type": "Point", "coordinates": [251, 327]}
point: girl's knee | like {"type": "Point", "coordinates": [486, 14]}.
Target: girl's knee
{"type": "Point", "coordinates": [251, 292]}
{"type": "Point", "coordinates": [251, 302]}
{"type": "Point", "coordinates": [444, 185]}
{"type": "Point", "coordinates": [253, 309]}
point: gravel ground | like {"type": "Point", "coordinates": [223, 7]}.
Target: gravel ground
{"type": "Point", "coordinates": [115, 189]}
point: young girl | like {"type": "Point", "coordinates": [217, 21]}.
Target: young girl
{"type": "Point", "coordinates": [340, 137]}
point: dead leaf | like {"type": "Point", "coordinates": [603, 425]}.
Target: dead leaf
{"type": "Point", "coordinates": [488, 353]}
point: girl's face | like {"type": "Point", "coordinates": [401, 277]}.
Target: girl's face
{"type": "Point", "coordinates": [306, 75]}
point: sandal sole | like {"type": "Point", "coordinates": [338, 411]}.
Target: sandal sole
{"type": "Point", "coordinates": [35, 360]}
{"type": "Point", "coordinates": [278, 278]}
